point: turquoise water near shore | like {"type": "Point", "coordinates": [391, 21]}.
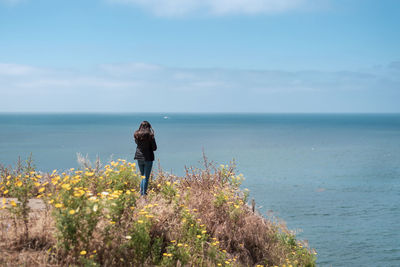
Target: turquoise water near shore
{"type": "Point", "coordinates": [334, 177]}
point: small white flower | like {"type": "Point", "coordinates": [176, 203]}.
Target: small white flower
{"type": "Point", "coordinates": [93, 198]}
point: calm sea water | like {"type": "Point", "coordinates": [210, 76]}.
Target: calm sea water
{"type": "Point", "coordinates": [334, 178]}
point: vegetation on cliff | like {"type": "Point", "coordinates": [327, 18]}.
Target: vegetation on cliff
{"type": "Point", "coordinates": [96, 217]}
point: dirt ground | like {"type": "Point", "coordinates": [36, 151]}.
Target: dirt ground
{"type": "Point", "coordinates": [17, 251]}
{"type": "Point", "coordinates": [35, 204]}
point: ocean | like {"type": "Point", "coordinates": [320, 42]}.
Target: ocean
{"type": "Point", "coordinates": [333, 178]}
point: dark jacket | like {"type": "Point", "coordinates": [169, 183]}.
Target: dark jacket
{"type": "Point", "coordinates": [145, 148]}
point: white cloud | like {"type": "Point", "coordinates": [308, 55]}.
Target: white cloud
{"type": "Point", "coordinates": [126, 87]}
{"type": "Point", "coordinates": [16, 69]}
{"type": "Point", "coordinates": [62, 83]}
{"type": "Point", "coordinates": [253, 6]}
{"type": "Point", "coordinates": [214, 7]}
{"type": "Point", "coordinates": [128, 68]}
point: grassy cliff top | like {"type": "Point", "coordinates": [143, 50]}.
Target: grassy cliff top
{"type": "Point", "coordinates": [96, 217]}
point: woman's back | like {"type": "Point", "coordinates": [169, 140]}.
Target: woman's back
{"type": "Point", "coordinates": [145, 148]}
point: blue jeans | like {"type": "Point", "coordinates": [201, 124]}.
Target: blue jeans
{"type": "Point", "coordinates": [145, 170]}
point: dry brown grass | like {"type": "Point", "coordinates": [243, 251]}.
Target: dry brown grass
{"type": "Point", "coordinates": [249, 237]}
{"type": "Point", "coordinates": [15, 250]}
{"type": "Point", "coordinates": [246, 236]}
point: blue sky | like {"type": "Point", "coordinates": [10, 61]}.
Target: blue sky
{"type": "Point", "coordinates": [200, 56]}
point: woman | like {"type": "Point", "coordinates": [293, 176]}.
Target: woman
{"type": "Point", "coordinates": [146, 144]}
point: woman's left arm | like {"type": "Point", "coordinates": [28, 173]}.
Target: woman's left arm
{"type": "Point", "coordinates": [153, 144]}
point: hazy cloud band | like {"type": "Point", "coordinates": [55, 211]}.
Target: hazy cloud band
{"type": "Point", "coordinates": [124, 87]}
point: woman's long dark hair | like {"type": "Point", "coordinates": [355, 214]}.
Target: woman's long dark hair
{"type": "Point", "coordinates": [145, 131]}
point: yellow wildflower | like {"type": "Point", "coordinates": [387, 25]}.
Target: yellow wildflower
{"type": "Point", "coordinates": [72, 212]}
{"type": "Point", "coordinates": [83, 252]}
{"type": "Point", "coordinates": [66, 186]}
{"type": "Point", "coordinates": [41, 190]}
